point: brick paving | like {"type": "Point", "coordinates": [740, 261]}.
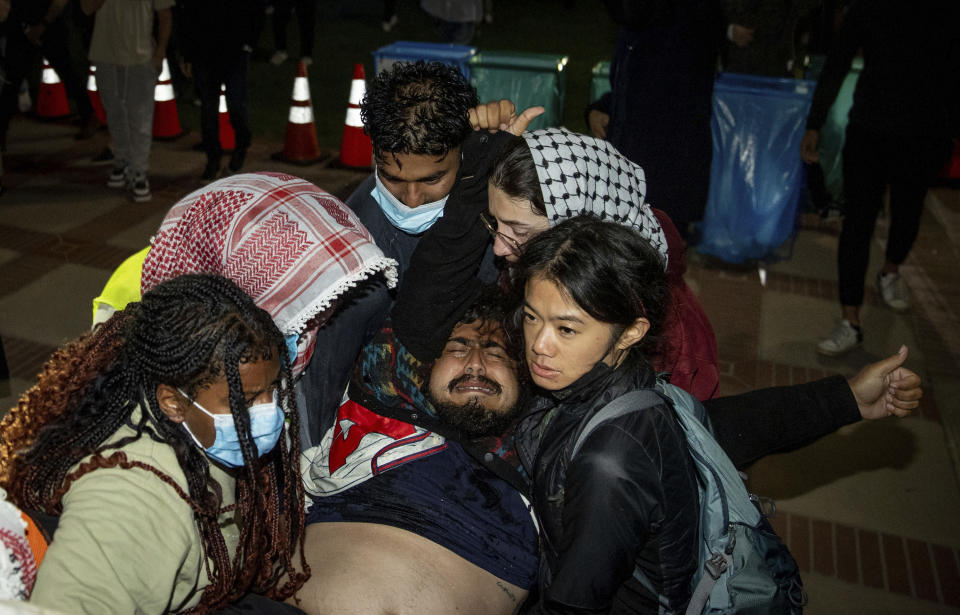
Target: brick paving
{"type": "Point", "coordinates": [878, 560]}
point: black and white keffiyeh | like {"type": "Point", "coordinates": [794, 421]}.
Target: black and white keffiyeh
{"type": "Point", "coordinates": [580, 174]}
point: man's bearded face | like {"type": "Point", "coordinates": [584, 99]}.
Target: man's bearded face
{"type": "Point", "coordinates": [473, 385]}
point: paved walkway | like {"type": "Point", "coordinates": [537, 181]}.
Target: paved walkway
{"type": "Point", "coordinates": [870, 512]}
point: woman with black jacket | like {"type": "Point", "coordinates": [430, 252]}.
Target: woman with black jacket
{"type": "Point", "coordinates": [593, 302]}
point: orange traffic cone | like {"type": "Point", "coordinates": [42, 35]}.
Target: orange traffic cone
{"type": "Point", "coordinates": [52, 96]}
{"type": "Point", "coordinates": [356, 150]}
{"type": "Point", "coordinates": [94, 95]}
{"type": "Point", "coordinates": [166, 121]}
{"type": "Point", "coordinates": [228, 139]}
{"type": "Point", "coordinates": [300, 141]}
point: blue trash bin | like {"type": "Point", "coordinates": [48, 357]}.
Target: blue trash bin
{"type": "Point", "coordinates": [411, 51]}
{"type": "Point", "coordinates": [756, 176]}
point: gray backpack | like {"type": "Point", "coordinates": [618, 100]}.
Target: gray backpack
{"type": "Point", "coordinates": [743, 564]}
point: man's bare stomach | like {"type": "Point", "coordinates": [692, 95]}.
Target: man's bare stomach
{"type": "Point", "coordinates": [372, 569]}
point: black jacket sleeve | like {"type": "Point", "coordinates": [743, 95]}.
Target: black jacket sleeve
{"type": "Point", "coordinates": [441, 282]}
{"type": "Point", "coordinates": [780, 419]}
{"type": "Point", "coordinates": [632, 477]}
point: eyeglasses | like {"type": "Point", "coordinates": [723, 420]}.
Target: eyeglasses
{"type": "Point", "coordinates": [491, 223]}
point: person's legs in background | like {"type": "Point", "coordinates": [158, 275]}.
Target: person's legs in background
{"type": "Point", "coordinates": [130, 122]}
{"type": "Point", "coordinates": [236, 83]}
{"type": "Point", "coordinates": [916, 162]}
{"type": "Point", "coordinates": [282, 11]}
{"type": "Point", "coordinates": [54, 48]}
{"type": "Point", "coordinates": [208, 90]}
{"type": "Point", "coordinates": [865, 159]}
{"type": "Point", "coordinates": [18, 57]}
{"type": "Point", "coordinates": [389, 15]}
{"type": "Point", "coordinates": [307, 22]}
{"type": "Point", "coordinates": [111, 82]}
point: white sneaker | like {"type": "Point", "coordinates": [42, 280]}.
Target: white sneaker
{"type": "Point", "coordinates": [117, 177]}
{"type": "Point", "coordinates": [841, 340]}
{"type": "Point", "coordinates": [388, 25]}
{"type": "Point", "coordinates": [894, 291]}
{"type": "Point", "coordinates": [278, 57]}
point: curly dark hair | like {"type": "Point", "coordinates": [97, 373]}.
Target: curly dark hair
{"type": "Point", "coordinates": [187, 332]}
{"type": "Point", "coordinates": [493, 306]}
{"type": "Point", "coordinates": [418, 108]}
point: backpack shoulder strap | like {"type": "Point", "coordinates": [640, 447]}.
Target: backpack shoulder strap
{"type": "Point", "coordinates": [626, 403]}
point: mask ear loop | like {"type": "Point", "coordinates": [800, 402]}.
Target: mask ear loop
{"type": "Point", "coordinates": [184, 423]}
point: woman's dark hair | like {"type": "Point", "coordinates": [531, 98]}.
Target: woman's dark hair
{"type": "Point", "coordinates": [187, 332]}
{"type": "Point", "coordinates": [608, 269]}
{"type": "Point", "coordinates": [515, 174]}
{"type": "Point", "coordinates": [418, 108]}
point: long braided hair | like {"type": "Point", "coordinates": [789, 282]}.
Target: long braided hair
{"type": "Point", "coordinates": [188, 333]}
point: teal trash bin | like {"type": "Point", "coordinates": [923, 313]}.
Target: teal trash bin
{"type": "Point", "coordinates": [599, 80]}
{"type": "Point", "coordinates": [528, 79]}
{"type": "Point", "coordinates": [411, 51]}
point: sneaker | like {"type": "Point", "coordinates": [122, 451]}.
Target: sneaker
{"type": "Point", "coordinates": [278, 57]}
{"type": "Point", "coordinates": [389, 24]}
{"type": "Point", "coordinates": [893, 290]}
{"type": "Point", "coordinates": [117, 177]}
{"type": "Point", "coordinates": [844, 338]}
{"type": "Point", "coordinates": [140, 189]}
{"type": "Point", "coordinates": [307, 60]}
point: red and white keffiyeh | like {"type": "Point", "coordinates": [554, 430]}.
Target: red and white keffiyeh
{"type": "Point", "coordinates": [291, 246]}
{"type": "Point", "coordinates": [18, 566]}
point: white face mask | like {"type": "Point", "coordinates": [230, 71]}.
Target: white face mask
{"type": "Point", "coordinates": [413, 220]}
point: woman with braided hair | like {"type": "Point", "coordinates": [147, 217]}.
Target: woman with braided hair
{"type": "Point", "coordinates": [166, 442]}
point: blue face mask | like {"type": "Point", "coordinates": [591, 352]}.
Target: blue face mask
{"type": "Point", "coordinates": [266, 425]}
{"type": "Point", "coordinates": [413, 220]}
{"type": "Point", "coordinates": [292, 346]}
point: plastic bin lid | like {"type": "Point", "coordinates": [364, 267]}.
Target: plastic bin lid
{"type": "Point", "coordinates": [520, 59]}
{"type": "Point", "coordinates": [433, 51]}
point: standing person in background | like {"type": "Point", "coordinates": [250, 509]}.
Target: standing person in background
{"type": "Point", "coordinates": [771, 51]}
{"type": "Point", "coordinates": [217, 37]}
{"type": "Point", "coordinates": [455, 20]}
{"type": "Point", "coordinates": [128, 62]}
{"type": "Point", "coordinates": [307, 23]}
{"type": "Point", "coordinates": [39, 27]}
{"type": "Point", "coordinates": [905, 108]}
{"type": "Point", "coordinates": [657, 113]}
